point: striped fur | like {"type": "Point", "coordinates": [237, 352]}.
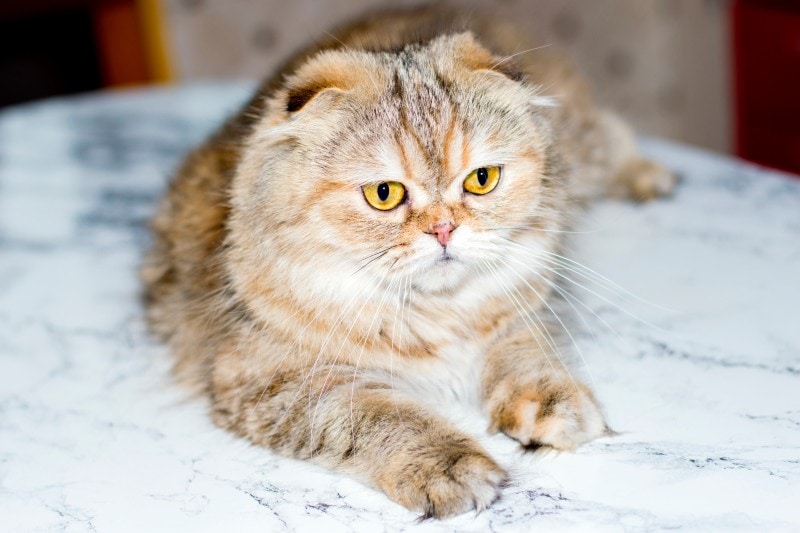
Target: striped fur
{"type": "Point", "coordinates": [330, 331]}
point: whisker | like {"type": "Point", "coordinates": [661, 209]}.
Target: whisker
{"type": "Point", "coordinates": [345, 338]}
{"type": "Point", "coordinates": [565, 261]}
{"type": "Point", "coordinates": [373, 254]}
{"type": "Point", "coordinates": [590, 291]}
{"type": "Point", "coordinates": [299, 336]}
{"type": "Point", "coordinates": [376, 258]}
{"type": "Point", "coordinates": [528, 322]}
{"type": "Point", "coordinates": [307, 305]}
{"type": "Point", "coordinates": [541, 230]}
{"type": "Point", "coordinates": [555, 315]}
{"type": "Point", "coordinates": [585, 272]}
{"type": "Point", "coordinates": [353, 302]}
{"type": "Point", "coordinates": [377, 314]}
{"type": "Point", "coordinates": [512, 56]}
{"type": "Point", "coordinates": [569, 298]}
{"type": "Point", "coordinates": [398, 310]}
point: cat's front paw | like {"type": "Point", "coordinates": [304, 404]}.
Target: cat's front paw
{"type": "Point", "coordinates": [443, 480]}
{"type": "Point", "coordinates": [560, 415]}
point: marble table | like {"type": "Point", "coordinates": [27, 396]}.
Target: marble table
{"type": "Point", "coordinates": [697, 360]}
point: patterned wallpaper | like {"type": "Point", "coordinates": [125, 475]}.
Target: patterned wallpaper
{"type": "Point", "coordinates": [664, 64]}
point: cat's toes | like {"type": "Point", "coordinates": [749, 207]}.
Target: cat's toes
{"type": "Point", "coordinates": [562, 417]}
{"type": "Point", "coordinates": [446, 480]}
{"type": "Point", "coordinates": [643, 180]}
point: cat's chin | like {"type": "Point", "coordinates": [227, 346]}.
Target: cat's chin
{"type": "Point", "coordinates": [444, 274]}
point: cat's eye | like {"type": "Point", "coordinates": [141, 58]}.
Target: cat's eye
{"type": "Point", "coordinates": [482, 180]}
{"type": "Point", "coordinates": [384, 195]}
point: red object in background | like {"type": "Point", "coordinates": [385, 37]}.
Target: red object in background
{"type": "Point", "coordinates": [120, 40]}
{"type": "Point", "coordinates": [766, 37]}
{"type": "Point", "coordinates": [55, 47]}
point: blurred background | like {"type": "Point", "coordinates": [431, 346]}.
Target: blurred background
{"type": "Point", "coordinates": [723, 75]}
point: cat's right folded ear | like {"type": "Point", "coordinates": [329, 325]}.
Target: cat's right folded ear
{"type": "Point", "coordinates": [332, 72]}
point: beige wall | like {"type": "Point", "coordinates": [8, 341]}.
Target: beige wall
{"type": "Point", "coordinates": [663, 63]}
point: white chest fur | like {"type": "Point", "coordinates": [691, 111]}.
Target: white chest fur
{"type": "Point", "coordinates": [451, 380]}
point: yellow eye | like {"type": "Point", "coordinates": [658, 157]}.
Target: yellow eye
{"type": "Point", "coordinates": [482, 180]}
{"type": "Point", "coordinates": [385, 195]}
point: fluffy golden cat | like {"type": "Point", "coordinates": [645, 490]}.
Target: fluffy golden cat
{"type": "Point", "coordinates": [373, 237]}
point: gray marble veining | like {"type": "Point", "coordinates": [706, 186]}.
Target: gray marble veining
{"type": "Point", "coordinates": [692, 343]}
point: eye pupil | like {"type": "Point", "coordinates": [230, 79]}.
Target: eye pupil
{"type": "Point", "coordinates": [383, 191]}
{"type": "Point", "coordinates": [483, 176]}
{"type": "Point", "coordinates": [482, 180]}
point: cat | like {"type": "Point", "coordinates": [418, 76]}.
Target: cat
{"type": "Point", "coordinates": [372, 238]}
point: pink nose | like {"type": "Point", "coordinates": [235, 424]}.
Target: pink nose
{"type": "Point", "coordinates": [443, 231]}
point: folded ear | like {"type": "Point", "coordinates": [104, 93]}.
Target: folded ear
{"type": "Point", "coordinates": [297, 97]}
{"type": "Point", "coordinates": [332, 70]}
{"type": "Point", "coordinates": [470, 53]}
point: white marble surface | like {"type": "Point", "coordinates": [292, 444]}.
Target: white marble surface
{"type": "Point", "coordinates": [703, 384]}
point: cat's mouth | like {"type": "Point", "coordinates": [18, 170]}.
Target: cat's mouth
{"type": "Point", "coordinates": [445, 272]}
{"type": "Point", "coordinates": [445, 259]}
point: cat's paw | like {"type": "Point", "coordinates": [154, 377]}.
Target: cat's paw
{"type": "Point", "coordinates": [643, 180]}
{"type": "Point", "coordinates": [562, 416]}
{"type": "Point", "coordinates": [443, 480]}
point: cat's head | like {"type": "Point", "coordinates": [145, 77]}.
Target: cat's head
{"type": "Point", "coordinates": [416, 165]}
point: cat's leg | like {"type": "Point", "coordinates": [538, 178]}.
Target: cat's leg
{"type": "Point", "coordinates": [530, 395]}
{"type": "Point", "coordinates": [632, 175]}
{"type": "Point", "coordinates": [606, 161]}
{"type": "Point", "coordinates": [362, 427]}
